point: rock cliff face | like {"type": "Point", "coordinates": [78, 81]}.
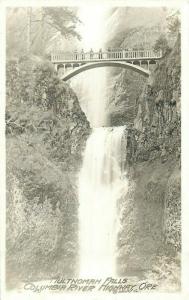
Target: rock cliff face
{"type": "Point", "coordinates": [46, 134]}
{"type": "Point", "coordinates": [136, 26]}
{"type": "Point", "coordinates": [151, 214]}
{"type": "Point", "coordinates": [149, 240]}
{"type": "Point", "coordinates": [132, 28]}
{"type": "Point", "coordinates": [129, 27]}
{"type": "Point", "coordinates": [124, 95]}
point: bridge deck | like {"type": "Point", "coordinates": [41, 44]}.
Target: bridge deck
{"type": "Point", "coordinates": [87, 57]}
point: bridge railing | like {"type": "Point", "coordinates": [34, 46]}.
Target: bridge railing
{"type": "Point", "coordinates": [59, 56]}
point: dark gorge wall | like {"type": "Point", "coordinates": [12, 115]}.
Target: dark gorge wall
{"type": "Point", "coordinates": [46, 134]}
{"type": "Point", "coordinates": [150, 237]}
{"type": "Point", "coordinates": [131, 28]}
{"type": "Point", "coordinates": [124, 94]}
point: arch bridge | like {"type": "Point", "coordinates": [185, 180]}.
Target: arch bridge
{"type": "Point", "coordinates": [74, 63]}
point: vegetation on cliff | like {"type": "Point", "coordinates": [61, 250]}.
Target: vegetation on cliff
{"type": "Point", "coordinates": [153, 163]}
{"type": "Point", "coordinates": [46, 133]}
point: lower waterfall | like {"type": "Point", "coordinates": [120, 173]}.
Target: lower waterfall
{"type": "Point", "coordinates": [102, 183]}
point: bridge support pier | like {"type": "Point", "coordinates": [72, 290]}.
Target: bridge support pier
{"type": "Point", "coordinates": [56, 67]}
{"type": "Point", "coordinates": [148, 62]}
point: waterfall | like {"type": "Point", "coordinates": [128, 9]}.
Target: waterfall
{"type": "Point", "coordinates": [91, 86]}
{"type": "Point", "coordinates": [102, 183]}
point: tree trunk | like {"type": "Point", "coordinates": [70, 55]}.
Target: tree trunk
{"type": "Point", "coordinates": [29, 13]}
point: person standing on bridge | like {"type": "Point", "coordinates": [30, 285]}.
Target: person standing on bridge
{"type": "Point", "coordinates": [100, 54]}
{"type": "Point", "coordinates": [75, 54]}
{"type": "Point", "coordinates": [109, 52]}
{"type": "Point", "coordinates": [91, 53]}
{"type": "Point", "coordinates": [121, 53]}
{"type": "Point", "coordinates": [82, 54]}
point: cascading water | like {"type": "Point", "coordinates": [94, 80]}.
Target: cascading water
{"type": "Point", "coordinates": [102, 183]}
{"type": "Point", "coordinates": [102, 180]}
{"type": "Point", "coordinates": [90, 86]}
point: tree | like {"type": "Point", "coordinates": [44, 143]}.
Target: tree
{"type": "Point", "coordinates": [29, 12]}
{"type": "Point", "coordinates": [173, 21]}
{"type": "Point", "coordinates": [162, 44]}
{"type": "Point", "coordinates": [30, 29]}
{"type": "Point", "coordinates": [63, 20]}
{"type": "Point", "coordinates": [52, 23]}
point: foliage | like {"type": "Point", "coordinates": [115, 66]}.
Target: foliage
{"type": "Point", "coordinates": [46, 131]}
{"type": "Point", "coordinates": [174, 22]}
{"type": "Point", "coordinates": [48, 87]}
{"type": "Point", "coordinates": [62, 19]}
{"type": "Point", "coordinates": [34, 81]}
{"type": "Point", "coordinates": [166, 273]}
{"type": "Point", "coordinates": [162, 44]}
{"type": "Point", "coordinates": [12, 82]}
{"type": "Point", "coordinates": [170, 68]}
{"type": "Point", "coordinates": [40, 239]}
{"type": "Point", "coordinates": [58, 116]}
{"type": "Point", "coordinates": [43, 24]}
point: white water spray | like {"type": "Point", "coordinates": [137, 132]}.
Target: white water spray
{"type": "Point", "coordinates": [90, 85]}
{"type": "Point", "coordinates": [102, 183]}
{"type": "Point", "coordinates": [102, 180]}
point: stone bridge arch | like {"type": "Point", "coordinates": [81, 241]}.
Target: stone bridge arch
{"type": "Point", "coordinates": [118, 64]}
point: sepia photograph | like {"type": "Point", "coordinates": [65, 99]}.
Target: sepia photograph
{"type": "Point", "coordinates": [93, 150]}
